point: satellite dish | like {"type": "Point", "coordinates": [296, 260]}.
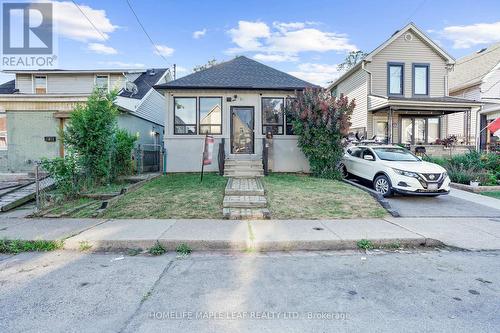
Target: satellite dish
{"type": "Point", "coordinates": [131, 88]}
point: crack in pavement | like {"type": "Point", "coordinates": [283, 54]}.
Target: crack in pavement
{"type": "Point", "coordinates": [147, 295]}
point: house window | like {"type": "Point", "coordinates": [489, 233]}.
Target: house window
{"type": "Point", "coordinates": [185, 115]}
{"type": "Point", "coordinates": [272, 115]}
{"type": "Point", "coordinates": [381, 130]}
{"type": "Point", "coordinates": [289, 118]}
{"type": "Point", "coordinates": [101, 82]}
{"type": "Point", "coordinates": [395, 74]}
{"type": "Point", "coordinates": [40, 84]}
{"type": "Point", "coordinates": [3, 131]}
{"type": "Point", "coordinates": [419, 130]}
{"type": "Point", "coordinates": [210, 115]}
{"type": "Point", "coordinates": [421, 79]}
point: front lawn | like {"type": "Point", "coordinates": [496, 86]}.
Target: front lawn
{"type": "Point", "coordinates": [293, 196]}
{"type": "Point", "coordinates": [173, 196]}
{"type": "Point", "coordinates": [493, 194]}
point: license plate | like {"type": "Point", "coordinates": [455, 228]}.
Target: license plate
{"type": "Point", "coordinates": [432, 187]}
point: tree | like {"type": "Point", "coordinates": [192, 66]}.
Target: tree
{"type": "Point", "coordinates": [90, 135]}
{"type": "Point", "coordinates": [351, 60]}
{"type": "Point", "coordinates": [321, 121]}
{"type": "Point", "coordinates": [209, 64]}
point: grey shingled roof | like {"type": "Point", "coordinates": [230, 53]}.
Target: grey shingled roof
{"type": "Point", "coordinates": [239, 73]}
{"type": "Point", "coordinates": [471, 69]}
{"type": "Point", "coordinates": [145, 82]}
{"type": "Point", "coordinates": [8, 87]}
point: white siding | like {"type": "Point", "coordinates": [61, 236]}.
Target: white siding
{"type": "Point", "coordinates": [408, 52]}
{"type": "Point", "coordinates": [153, 108]}
{"type": "Point", "coordinates": [24, 83]}
{"type": "Point", "coordinates": [456, 121]}
{"type": "Point", "coordinates": [491, 84]}
{"type": "Point", "coordinates": [355, 87]}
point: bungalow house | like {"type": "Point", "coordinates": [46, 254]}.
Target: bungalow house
{"type": "Point", "coordinates": [401, 92]}
{"type": "Point", "coordinates": [36, 104]}
{"type": "Point", "coordinates": [477, 77]}
{"type": "Point", "coordinates": [239, 103]}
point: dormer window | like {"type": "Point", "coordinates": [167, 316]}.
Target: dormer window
{"type": "Point", "coordinates": [101, 82]}
{"type": "Point", "coordinates": [395, 74]}
{"type": "Point", "coordinates": [421, 79]}
{"type": "Point", "coordinates": [40, 84]}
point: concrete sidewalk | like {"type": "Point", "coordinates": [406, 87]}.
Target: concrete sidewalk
{"type": "Point", "coordinates": [268, 235]}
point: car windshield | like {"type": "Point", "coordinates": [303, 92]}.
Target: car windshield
{"type": "Point", "coordinates": [395, 154]}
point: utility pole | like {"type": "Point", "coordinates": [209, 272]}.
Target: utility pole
{"type": "Point", "coordinates": [175, 66]}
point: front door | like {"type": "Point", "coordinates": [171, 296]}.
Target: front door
{"type": "Point", "coordinates": [242, 130]}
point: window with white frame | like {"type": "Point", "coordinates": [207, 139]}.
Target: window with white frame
{"type": "Point", "coordinates": [101, 82]}
{"type": "Point", "coordinates": [40, 84]}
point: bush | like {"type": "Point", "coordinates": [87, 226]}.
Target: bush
{"type": "Point", "coordinates": [64, 171]}
{"type": "Point", "coordinates": [123, 145]}
{"type": "Point", "coordinates": [90, 135]}
{"type": "Point", "coordinates": [321, 121]}
{"type": "Point", "coordinates": [472, 166]}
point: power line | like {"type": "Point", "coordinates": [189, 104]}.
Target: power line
{"type": "Point", "coordinates": [144, 29]}
{"type": "Point", "coordinates": [90, 21]}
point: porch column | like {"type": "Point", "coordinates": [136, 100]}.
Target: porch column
{"type": "Point", "coordinates": [389, 126]}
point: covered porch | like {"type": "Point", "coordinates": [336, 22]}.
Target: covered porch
{"type": "Point", "coordinates": [417, 122]}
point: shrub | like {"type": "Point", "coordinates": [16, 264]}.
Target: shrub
{"type": "Point", "coordinates": [123, 145]}
{"type": "Point", "coordinates": [90, 135]}
{"type": "Point", "coordinates": [321, 121]}
{"type": "Point", "coordinates": [64, 171]}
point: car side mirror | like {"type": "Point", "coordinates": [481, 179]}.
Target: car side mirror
{"type": "Point", "coordinates": [368, 157]}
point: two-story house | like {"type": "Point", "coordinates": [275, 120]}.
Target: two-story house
{"type": "Point", "coordinates": [477, 77]}
{"type": "Point", "coordinates": [400, 90]}
{"type": "Point", "coordinates": [37, 104]}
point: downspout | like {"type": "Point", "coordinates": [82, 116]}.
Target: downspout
{"type": "Point", "coordinates": [363, 62]}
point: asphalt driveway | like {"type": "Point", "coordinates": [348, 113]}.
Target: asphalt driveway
{"type": "Point", "coordinates": [456, 204]}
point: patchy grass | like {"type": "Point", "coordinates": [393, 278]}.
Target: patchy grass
{"type": "Point", "coordinates": [292, 196]}
{"type": "Point", "coordinates": [365, 244]}
{"type": "Point", "coordinates": [84, 246]}
{"type": "Point", "coordinates": [157, 249]}
{"type": "Point", "coordinates": [17, 246]}
{"type": "Point", "coordinates": [493, 194]}
{"type": "Point", "coordinates": [173, 196]}
{"type": "Point", "coordinates": [183, 249]}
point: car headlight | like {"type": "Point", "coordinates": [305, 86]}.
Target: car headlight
{"type": "Point", "coordinates": [406, 173]}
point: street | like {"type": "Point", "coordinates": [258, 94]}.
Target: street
{"type": "Point", "coordinates": [411, 291]}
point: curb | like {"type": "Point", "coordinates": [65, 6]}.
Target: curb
{"type": "Point", "coordinates": [379, 197]}
{"type": "Point", "coordinates": [239, 246]}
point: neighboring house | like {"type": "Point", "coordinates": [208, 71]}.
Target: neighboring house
{"type": "Point", "coordinates": [477, 77]}
{"type": "Point", "coordinates": [37, 104]}
{"type": "Point", "coordinates": [400, 90]}
{"type": "Point", "coordinates": [240, 100]}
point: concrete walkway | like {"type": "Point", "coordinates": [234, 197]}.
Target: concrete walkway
{"type": "Point", "coordinates": [266, 235]}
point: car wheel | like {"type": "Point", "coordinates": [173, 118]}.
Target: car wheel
{"type": "Point", "coordinates": [343, 171]}
{"type": "Point", "coordinates": [382, 185]}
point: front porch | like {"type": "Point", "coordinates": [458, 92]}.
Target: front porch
{"type": "Point", "coordinates": [417, 122]}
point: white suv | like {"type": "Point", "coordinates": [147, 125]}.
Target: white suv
{"type": "Point", "coordinates": [395, 169]}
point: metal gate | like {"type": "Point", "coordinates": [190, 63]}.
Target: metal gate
{"type": "Point", "coordinates": [148, 158]}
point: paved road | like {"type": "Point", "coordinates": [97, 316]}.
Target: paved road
{"type": "Point", "coordinates": [409, 292]}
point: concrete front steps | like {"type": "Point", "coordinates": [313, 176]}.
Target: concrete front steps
{"type": "Point", "coordinates": [245, 199]}
{"type": "Point", "coordinates": [243, 167]}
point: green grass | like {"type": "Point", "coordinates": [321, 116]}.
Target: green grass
{"type": "Point", "coordinates": [17, 246]}
{"type": "Point", "coordinates": [173, 196]}
{"type": "Point", "coordinates": [493, 194]}
{"type": "Point", "coordinates": [293, 196]}
{"type": "Point", "coordinates": [183, 249]}
{"type": "Point", "coordinates": [365, 244]}
{"type": "Point", "coordinates": [157, 249]}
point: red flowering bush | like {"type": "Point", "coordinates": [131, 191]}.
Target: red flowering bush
{"type": "Point", "coordinates": [321, 121]}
